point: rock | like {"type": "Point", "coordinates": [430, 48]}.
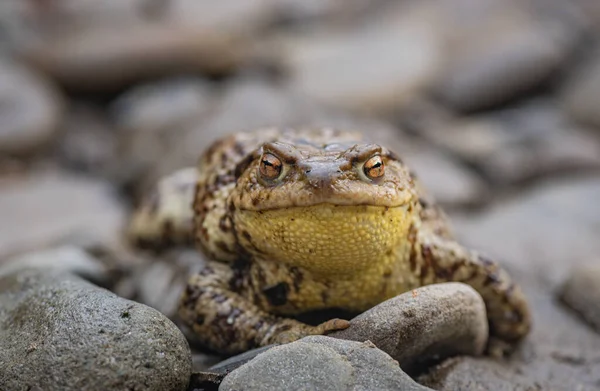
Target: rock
{"type": "Point", "coordinates": [31, 109]}
{"type": "Point", "coordinates": [513, 145]}
{"type": "Point", "coordinates": [560, 353]}
{"type": "Point", "coordinates": [161, 105]}
{"type": "Point", "coordinates": [160, 283]}
{"type": "Point", "coordinates": [428, 323]}
{"type": "Point", "coordinates": [580, 92]}
{"type": "Point", "coordinates": [250, 104]}
{"type": "Point", "coordinates": [542, 232]}
{"type": "Point", "coordinates": [58, 332]}
{"type": "Point", "coordinates": [499, 50]}
{"type": "Point", "coordinates": [321, 363]}
{"type": "Point", "coordinates": [152, 118]}
{"type": "Point", "coordinates": [443, 176]}
{"type": "Point", "coordinates": [377, 67]}
{"type": "Point", "coordinates": [67, 259]}
{"type": "Point", "coordinates": [581, 292]}
{"type": "Point", "coordinates": [89, 47]}
{"type": "Point", "coordinates": [539, 235]}
{"type": "Point", "coordinates": [89, 142]}
{"type": "Point", "coordinates": [45, 209]}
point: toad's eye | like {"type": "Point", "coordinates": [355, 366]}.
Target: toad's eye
{"type": "Point", "coordinates": [270, 166]}
{"type": "Point", "coordinates": [374, 168]}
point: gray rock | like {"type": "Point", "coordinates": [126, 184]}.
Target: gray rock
{"type": "Point", "coordinates": [510, 146]}
{"type": "Point", "coordinates": [379, 66]}
{"type": "Point", "coordinates": [428, 323]}
{"type": "Point", "coordinates": [539, 236]}
{"type": "Point", "coordinates": [444, 177]}
{"type": "Point", "coordinates": [561, 353]}
{"type": "Point", "coordinates": [542, 232]}
{"type": "Point", "coordinates": [45, 209]}
{"type": "Point", "coordinates": [58, 332]}
{"type": "Point", "coordinates": [106, 47]}
{"type": "Point", "coordinates": [580, 92]}
{"type": "Point", "coordinates": [89, 143]}
{"type": "Point", "coordinates": [160, 283]}
{"type": "Point", "coordinates": [581, 292]}
{"type": "Point", "coordinates": [321, 363]}
{"type": "Point", "coordinates": [249, 104]}
{"type": "Point", "coordinates": [66, 259]}
{"type": "Point", "coordinates": [31, 109]}
{"type": "Point", "coordinates": [499, 50]}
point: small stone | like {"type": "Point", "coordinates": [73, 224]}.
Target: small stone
{"type": "Point", "coordinates": [58, 332]}
{"type": "Point", "coordinates": [45, 209]}
{"type": "Point", "coordinates": [30, 109]}
{"type": "Point", "coordinates": [321, 363]}
{"type": "Point", "coordinates": [428, 323]}
{"type": "Point", "coordinates": [581, 292]}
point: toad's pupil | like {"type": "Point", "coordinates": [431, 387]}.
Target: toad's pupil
{"type": "Point", "coordinates": [374, 167]}
{"type": "Point", "coordinates": [270, 166]}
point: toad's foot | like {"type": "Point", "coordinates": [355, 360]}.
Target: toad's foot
{"type": "Point", "coordinates": [444, 260]}
{"type": "Point", "coordinates": [227, 322]}
{"type": "Point", "coordinates": [299, 331]}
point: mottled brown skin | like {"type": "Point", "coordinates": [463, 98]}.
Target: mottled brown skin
{"type": "Point", "coordinates": [294, 223]}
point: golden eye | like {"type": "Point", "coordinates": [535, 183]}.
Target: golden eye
{"type": "Point", "coordinates": [270, 166]}
{"type": "Point", "coordinates": [374, 167]}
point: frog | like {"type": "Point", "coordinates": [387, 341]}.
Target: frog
{"type": "Point", "coordinates": [310, 219]}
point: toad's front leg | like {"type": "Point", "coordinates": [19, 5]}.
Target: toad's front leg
{"type": "Point", "coordinates": [227, 322]}
{"type": "Point", "coordinates": [443, 260]}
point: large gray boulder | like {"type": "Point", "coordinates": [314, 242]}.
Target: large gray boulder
{"type": "Point", "coordinates": [59, 332]}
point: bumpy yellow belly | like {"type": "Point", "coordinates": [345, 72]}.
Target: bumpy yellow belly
{"type": "Point", "coordinates": [326, 239]}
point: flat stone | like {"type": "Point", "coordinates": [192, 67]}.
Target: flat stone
{"type": "Point", "coordinates": [66, 259]}
{"type": "Point", "coordinates": [45, 209]}
{"type": "Point", "coordinates": [581, 292]}
{"type": "Point", "coordinates": [30, 110]}
{"type": "Point", "coordinates": [377, 67]}
{"type": "Point", "coordinates": [91, 47]}
{"type": "Point", "coordinates": [431, 322]}
{"type": "Point", "coordinates": [321, 363]}
{"type": "Point", "coordinates": [443, 176]}
{"type": "Point", "coordinates": [160, 283]}
{"type": "Point", "coordinates": [249, 104]}
{"type": "Point", "coordinates": [543, 231]}
{"type": "Point", "coordinates": [517, 144]}
{"type": "Point", "coordinates": [499, 50]}
{"type": "Point", "coordinates": [580, 92]}
{"type": "Point", "coordinates": [88, 142]}
{"type": "Point", "coordinates": [58, 332]}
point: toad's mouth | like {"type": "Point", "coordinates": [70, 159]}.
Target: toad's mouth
{"type": "Point", "coordinates": [325, 238]}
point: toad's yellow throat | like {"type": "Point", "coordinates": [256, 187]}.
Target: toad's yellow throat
{"type": "Point", "coordinates": [325, 238]}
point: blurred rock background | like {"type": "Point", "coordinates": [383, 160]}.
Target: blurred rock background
{"type": "Point", "coordinates": [495, 103]}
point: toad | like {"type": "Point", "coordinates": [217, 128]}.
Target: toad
{"type": "Point", "coordinates": [302, 220]}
